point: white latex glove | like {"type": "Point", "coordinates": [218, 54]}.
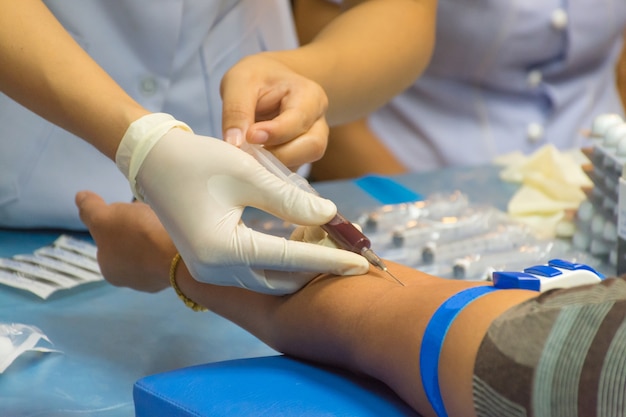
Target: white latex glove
{"type": "Point", "coordinates": [199, 186]}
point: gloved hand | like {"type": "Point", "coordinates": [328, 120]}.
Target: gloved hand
{"type": "Point", "coordinates": [199, 186]}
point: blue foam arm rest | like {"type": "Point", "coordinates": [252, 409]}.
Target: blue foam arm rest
{"type": "Point", "coordinates": [266, 386]}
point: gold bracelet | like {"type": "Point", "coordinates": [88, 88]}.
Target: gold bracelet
{"type": "Point", "coordinates": [188, 302]}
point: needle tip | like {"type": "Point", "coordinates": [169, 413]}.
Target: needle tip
{"type": "Point", "coordinates": [377, 262]}
{"type": "Point", "coordinates": [394, 277]}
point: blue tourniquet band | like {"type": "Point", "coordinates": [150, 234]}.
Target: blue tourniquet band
{"type": "Point", "coordinates": [435, 334]}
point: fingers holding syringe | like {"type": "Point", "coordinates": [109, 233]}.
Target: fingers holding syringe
{"type": "Point", "coordinates": [265, 191]}
{"type": "Point", "coordinates": [276, 253]}
{"type": "Point", "coordinates": [292, 143]}
{"type": "Point", "coordinates": [266, 102]}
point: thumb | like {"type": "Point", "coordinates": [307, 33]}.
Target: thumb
{"type": "Point", "coordinates": [90, 205]}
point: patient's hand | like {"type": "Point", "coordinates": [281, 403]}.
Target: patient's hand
{"type": "Point", "coordinates": [134, 250]}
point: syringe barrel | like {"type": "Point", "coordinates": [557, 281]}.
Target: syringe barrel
{"type": "Point", "coordinates": [301, 183]}
{"type": "Point", "coordinates": [346, 235]}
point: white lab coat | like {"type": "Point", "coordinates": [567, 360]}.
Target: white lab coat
{"type": "Point", "coordinates": [169, 55]}
{"type": "Point", "coordinates": [507, 75]}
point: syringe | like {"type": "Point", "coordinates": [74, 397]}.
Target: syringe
{"type": "Point", "coordinates": [343, 233]}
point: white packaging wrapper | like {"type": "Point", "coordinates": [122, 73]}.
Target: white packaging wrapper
{"type": "Point", "coordinates": [16, 339]}
{"type": "Point", "coordinates": [67, 263]}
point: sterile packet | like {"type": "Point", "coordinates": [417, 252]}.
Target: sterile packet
{"type": "Point", "coordinates": [391, 216]}
{"type": "Point", "coordinates": [16, 339]}
{"type": "Point", "coordinates": [449, 228]}
{"type": "Point", "coordinates": [65, 264]}
{"type": "Point", "coordinates": [451, 237]}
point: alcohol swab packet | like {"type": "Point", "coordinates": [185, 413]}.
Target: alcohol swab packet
{"type": "Point", "coordinates": [77, 245]}
{"type": "Point", "coordinates": [69, 257]}
{"type": "Point", "coordinates": [65, 264]}
{"type": "Point", "coordinates": [60, 266]}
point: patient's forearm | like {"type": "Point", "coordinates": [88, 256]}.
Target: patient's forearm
{"type": "Point", "coordinates": [369, 324]}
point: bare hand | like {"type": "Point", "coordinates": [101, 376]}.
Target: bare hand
{"type": "Point", "coordinates": [134, 250]}
{"type": "Point", "coordinates": [267, 102]}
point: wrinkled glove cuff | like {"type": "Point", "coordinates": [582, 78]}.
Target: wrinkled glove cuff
{"type": "Point", "coordinates": [138, 140]}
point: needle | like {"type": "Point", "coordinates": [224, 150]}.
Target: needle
{"type": "Point", "coordinates": [376, 261]}
{"type": "Point", "coordinates": [393, 276]}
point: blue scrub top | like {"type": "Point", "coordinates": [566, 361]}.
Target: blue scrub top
{"type": "Point", "coordinates": [507, 76]}
{"type": "Point", "coordinates": [169, 55]}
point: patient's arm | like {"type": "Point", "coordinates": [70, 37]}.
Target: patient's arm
{"type": "Point", "coordinates": [367, 323]}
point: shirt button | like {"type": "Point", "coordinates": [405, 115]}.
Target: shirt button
{"type": "Point", "coordinates": [534, 132]}
{"type": "Point", "coordinates": [534, 78]}
{"type": "Point", "coordinates": [559, 19]}
{"type": "Point", "coordinates": [148, 86]}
